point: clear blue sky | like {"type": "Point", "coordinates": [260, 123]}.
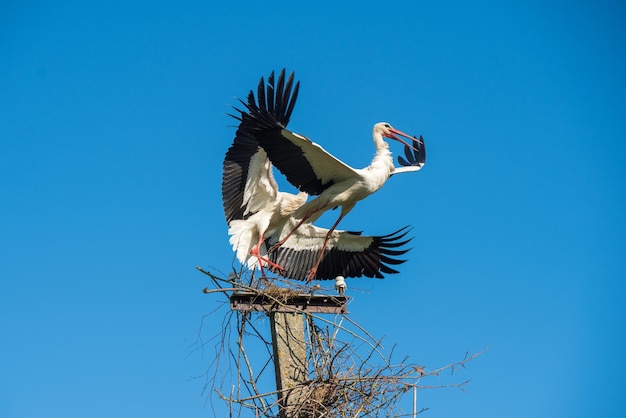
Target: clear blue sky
{"type": "Point", "coordinates": [113, 128]}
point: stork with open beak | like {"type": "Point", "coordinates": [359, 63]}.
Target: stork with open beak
{"type": "Point", "coordinates": [309, 167]}
{"type": "Point", "coordinates": [258, 215]}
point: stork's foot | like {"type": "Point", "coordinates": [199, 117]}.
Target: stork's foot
{"type": "Point", "coordinates": [263, 260]}
{"type": "Point", "coordinates": [311, 275]}
{"type": "Point", "coordinates": [275, 246]}
{"type": "Point", "coordinates": [276, 268]}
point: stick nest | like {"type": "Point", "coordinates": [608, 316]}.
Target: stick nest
{"type": "Point", "coordinates": [347, 372]}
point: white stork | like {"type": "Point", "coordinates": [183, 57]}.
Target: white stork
{"type": "Point", "coordinates": [312, 169]}
{"type": "Point", "coordinates": [259, 215]}
{"type": "Point", "coordinates": [254, 207]}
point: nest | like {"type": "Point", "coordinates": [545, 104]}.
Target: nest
{"type": "Point", "coordinates": [281, 294]}
{"type": "Point", "coordinates": [345, 372]}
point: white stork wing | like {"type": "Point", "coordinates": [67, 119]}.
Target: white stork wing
{"type": "Point", "coordinates": [415, 158]}
{"type": "Point", "coordinates": [348, 254]}
{"type": "Point", "coordinates": [249, 193]}
{"type": "Point", "coordinates": [252, 201]}
{"type": "Point", "coordinates": [305, 164]}
{"type": "Point", "coordinates": [247, 179]}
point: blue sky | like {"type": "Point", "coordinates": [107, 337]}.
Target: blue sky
{"type": "Point", "coordinates": [113, 129]}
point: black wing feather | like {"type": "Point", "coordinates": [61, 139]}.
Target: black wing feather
{"type": "Point", "coordinates": [272, 113]}
{"type": "Point", "coordinates": [265, 118]}
{"type": "Point", "coordinates": [372, 261]}
{"type": "Point", "coordinates": [414, 158]}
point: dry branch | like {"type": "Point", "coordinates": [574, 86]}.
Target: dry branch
{"type": "Point", "coordinates": [349, 373]}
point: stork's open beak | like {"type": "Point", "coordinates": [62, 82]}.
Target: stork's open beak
{"type": "Point", "coordinates": [394, 135]}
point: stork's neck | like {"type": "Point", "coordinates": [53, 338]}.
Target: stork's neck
{"type": "Point", "coordinates": [382, 150]}
{"type": "Point", "coordinates": [382, 163]}
{"type": "Point", "coordinates": [379, 142]}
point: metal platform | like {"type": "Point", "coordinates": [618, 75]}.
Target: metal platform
{"type": "Point", "coordinates": [260, 302]}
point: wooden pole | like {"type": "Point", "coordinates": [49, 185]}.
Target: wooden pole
{"type": "Point", "coordinates": [288, 340]}
{"type": "Point", "coordinates": [290, 362]}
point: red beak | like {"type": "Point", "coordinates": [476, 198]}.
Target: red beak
{"type": "Point", "coordinates": [394, 135]}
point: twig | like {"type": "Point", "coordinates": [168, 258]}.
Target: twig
{"type": "Point", "coordinates": [349, 372]}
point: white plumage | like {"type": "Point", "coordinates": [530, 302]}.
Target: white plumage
{"type": "Point", "coordinates": [259, 215]}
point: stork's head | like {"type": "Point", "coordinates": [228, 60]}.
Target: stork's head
{"type": "Point", "coordinates": [384, 129]}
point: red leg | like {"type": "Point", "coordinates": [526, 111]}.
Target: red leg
{"type": "Point", "coordinates": [313, 270]}
{"type": "Point", "coordinates": [256, 252]}
{"type": "Point", "coordinates": [282, 241]}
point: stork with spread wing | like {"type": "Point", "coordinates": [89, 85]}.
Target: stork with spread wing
{"type": "Point", "coordinates": [257, 211]}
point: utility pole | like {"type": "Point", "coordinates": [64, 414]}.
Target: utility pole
{"type": "Point", "coordinates": [289, 345]}
{"type": "Point", "coordinates": [290, 363]}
